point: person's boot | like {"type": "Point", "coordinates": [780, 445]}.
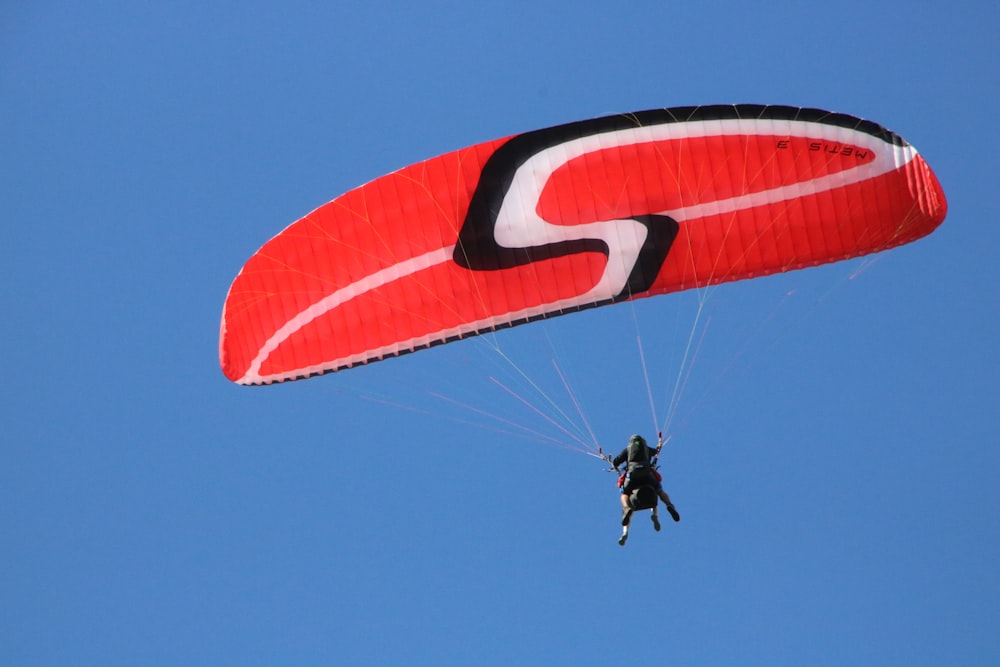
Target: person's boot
{"type": "Point", "coordinates": [656, 521]}
{"type": "Point", "coordinates": [673, 512]}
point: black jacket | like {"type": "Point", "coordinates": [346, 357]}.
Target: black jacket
{"type": "Point", "coordinates": [632, 465]}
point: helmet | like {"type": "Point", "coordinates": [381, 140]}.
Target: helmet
{"type": "Point", "coordinates": [637, 439]}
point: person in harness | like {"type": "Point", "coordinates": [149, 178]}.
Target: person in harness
{"type": "Point", "coordinates": [641, 483]}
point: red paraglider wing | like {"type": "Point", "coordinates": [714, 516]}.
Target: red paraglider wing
{"type": "Point", "coordinates": [570, 217]}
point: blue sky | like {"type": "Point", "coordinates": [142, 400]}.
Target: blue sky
{"type": "Point", "coordinates": [834, 451]}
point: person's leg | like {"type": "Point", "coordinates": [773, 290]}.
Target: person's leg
{"type": "Point", "coordinates": [626, 510]}
{"type": "Point", "coordinates": [670, 506]}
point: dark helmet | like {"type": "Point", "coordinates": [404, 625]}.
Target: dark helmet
{"type": "Point", "coordinates": [637, 439]}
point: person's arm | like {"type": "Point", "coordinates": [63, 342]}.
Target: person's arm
{"type": "Point", "coordinates": [621, 458]}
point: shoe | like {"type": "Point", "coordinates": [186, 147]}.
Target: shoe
{"type": "Point", "coordinates": [626, 515]}
{"type": "Point", "coordinates": [621, 540]}
{"type": "Point", "coordinates": [673, 512]}
{"type": "Point", "coordinates": [656, 523]}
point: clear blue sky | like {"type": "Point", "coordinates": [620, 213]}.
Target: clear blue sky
{"type": "Point", "coordinates": [835, 450]}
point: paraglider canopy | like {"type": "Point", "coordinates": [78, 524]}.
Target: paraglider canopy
{"type": "Point", "coordinates": [570, 217]}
